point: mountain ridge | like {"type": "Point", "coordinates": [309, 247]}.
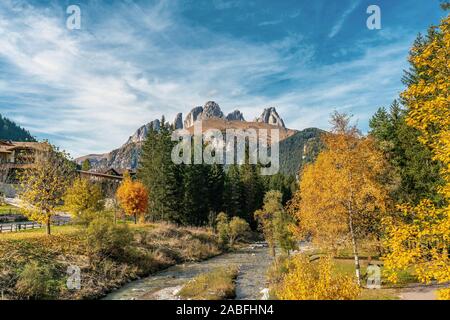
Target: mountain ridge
{"type": "Point", "coordinates": [127, 156]}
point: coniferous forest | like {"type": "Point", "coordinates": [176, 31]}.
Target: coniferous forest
{"type": "Point", "coordinates": [9, 130]}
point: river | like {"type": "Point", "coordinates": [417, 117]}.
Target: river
{"type": "Point", "coordinates": [253, 261]}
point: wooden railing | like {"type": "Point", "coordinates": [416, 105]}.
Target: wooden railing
{"type": "Point", "coordinates": [20, 226]}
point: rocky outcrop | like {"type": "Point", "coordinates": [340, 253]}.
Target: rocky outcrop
{"type": "Point", "coordinates": [211, 110]}
{"type": "Point", "coordinates": [192, 116]}
{"type": "Point", "coordinates": [127, 156]}
{"type": "Point", "coordinates": [178, 122]}
{"type": "Point", "coordinates": [270, 116]}
{"type": "Point", "coordinates": [142, 132]}
{"type": "Point", "coordinates": [236, 115]}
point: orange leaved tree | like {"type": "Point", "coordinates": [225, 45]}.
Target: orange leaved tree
{"type": "Point", "coordinates": [132, 197]}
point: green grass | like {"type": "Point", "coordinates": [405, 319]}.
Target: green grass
{"type": "Point", "coordinates": [218, 284]}
{"type": "Point", "coordinates": [388, 290]}
{"type": "Point", "coordinates": [155, 246]}
{"type": "Point", "coordinates": [41, 232]}
{"type": "Point", "coordinates": [7, 209]}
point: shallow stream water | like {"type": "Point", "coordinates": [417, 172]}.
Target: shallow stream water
{"type": "Point", "coordinates": [253, 261]}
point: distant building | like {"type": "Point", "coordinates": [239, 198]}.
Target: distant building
{"type": "Point", "coordinates": [16, 156]}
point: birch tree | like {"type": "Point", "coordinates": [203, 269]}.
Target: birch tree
{"type": "Point", "coordinates": [340, 199]}
{"type": "Point", "coordinates": [43, 186]}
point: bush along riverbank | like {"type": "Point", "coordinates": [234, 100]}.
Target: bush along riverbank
{"type": "Point", "coordinates": [218, 284]}
{"type": "Point", "coordinates": [107, 256]}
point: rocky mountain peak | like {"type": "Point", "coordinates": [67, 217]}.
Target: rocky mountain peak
{"type": "Point", "coordinates": [142, 132]}
{"type": "Point", "coordinates": [178, 122]}
{"type": "Point", "coordinates": [192, 116]}
{"type": "Point", "coordinates": [270, 116]}
{"type": "Point", "coordinates": [236, 115]}
{"type": "Point", "coordinates": [210, 110]}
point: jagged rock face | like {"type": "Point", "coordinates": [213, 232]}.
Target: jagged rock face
{"type": "Point", "coordinates": [178, 122]}
{"type": "Point", "coordinates": [208, 111]}
{"type": "Point", "coordinates": [193, 116]}
{"type": "Point", "coordinates": [211, 110]}
{"type": "Point", "coordinates": [236, 115]}
{"type": "Point", "coordinates": [142, 132]}
{"type": "Point", "coordinates": [127, 156]}
{"type": "Point", "coordinates": [270, 116]}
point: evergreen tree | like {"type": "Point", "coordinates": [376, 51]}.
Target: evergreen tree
{"type": "Point", "coordinates": [418, 173]}
{"type": "Point", "coordinates": [195, 200]}
{"type": "Point", "coordinates": [216, 183]}
{"type": "Point", "coordinates": [252, 192]}
{"type": "Point", "coordinates": [233, 192]}
{"type": "Point", "coordinates": [11, 131]}
{"type": "Point", "coordinates": [160, 175]}
{"type": "Point", "coordinates": [86, 165]}
{"type": "Point", "coordinates": [286, 184]}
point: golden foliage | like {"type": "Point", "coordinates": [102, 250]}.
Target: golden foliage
{"type": "Point", "coordinates": [428, 99]}
{"type": "Point", "coordinates": [42, 187]}
{"type": "Point", "coordinates": [133, 197]}
{"type": "Point", "coordinates": [316, 280]}
{"type": "Point", "coordinates": [83, 197]}
{"type": "Point", "coordinates": [341, 189]}
{"type": "Point", "coordinates": [424, 242]}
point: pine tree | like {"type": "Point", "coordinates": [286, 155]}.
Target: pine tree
{"type": "Point", "coordinates": [195, 200]}
{"type": "Point", "coordinates": [233, 192]}
{"type": "Point", "coordinates": [216, 182]}
{"type": "Point", "coordinates": [159, 174]}
{"type": "Point", "coordinates": [11, 131]}
{"type": "Point", "coordinates": [417, 171]}
{"type": "Point", "coordinates": [86, 165]}
{"type": "Point", "coordinates": [252, 192]}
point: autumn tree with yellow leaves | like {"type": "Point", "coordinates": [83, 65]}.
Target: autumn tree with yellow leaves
{"type": "Point", "coordinates": [43, 186]}
{"type": "Point", "coordinates": [132, 197]}
{"type": "Point", "coordinates": [341, 199]}
{"type": "Point", "coordinates": [83, 200]}
{"type": "Point", "coordinates": [422, 238]}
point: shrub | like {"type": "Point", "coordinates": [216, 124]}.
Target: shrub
{"type": "Point", "coordinates": [35, 282]}
{"type": "Point", "coordinates": [238, 228]}
{"type": "Point", "coordinates": [215, 285]}
{"type": "Point", "coordinates": [306, 280]}
{"type": "Point", "coordinates": [106, 239]}
{"type": "Point", "coordinates": [223, 228]}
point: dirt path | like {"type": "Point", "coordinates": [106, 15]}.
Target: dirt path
{"type": "Point", "coordinates": [420, 292]}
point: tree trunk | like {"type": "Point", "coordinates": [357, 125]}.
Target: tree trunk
{"type": "Point", "coordinates": [48, 226]}
{"type": "Point", "coordinates": [355, 252]}
{"type": "Point", "coordinates": [135, 218]}
{"type": "Point", "coordinates": [273, 251]}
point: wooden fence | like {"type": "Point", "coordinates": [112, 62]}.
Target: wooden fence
{"type": "Point", "coordinates": [20, 226]}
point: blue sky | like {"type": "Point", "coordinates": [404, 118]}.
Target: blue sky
{"type": "Point", "coordinates": [88, 90]}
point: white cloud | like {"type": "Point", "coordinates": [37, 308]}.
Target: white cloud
{"type": "Point", "coordinates": [89, 90]}
{"type": "Point", "coordinates": [339, 24]}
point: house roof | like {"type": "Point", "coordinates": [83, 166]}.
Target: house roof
{"type": "Point", "coordinates": [5, 149]}
{"type": "Point", "coordinates": [9, 146]}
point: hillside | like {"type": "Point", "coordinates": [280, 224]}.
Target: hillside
{"type": "Point", "coordinates": [11, 131]}
{"type": "Point", "coordinates": [299, 149]}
